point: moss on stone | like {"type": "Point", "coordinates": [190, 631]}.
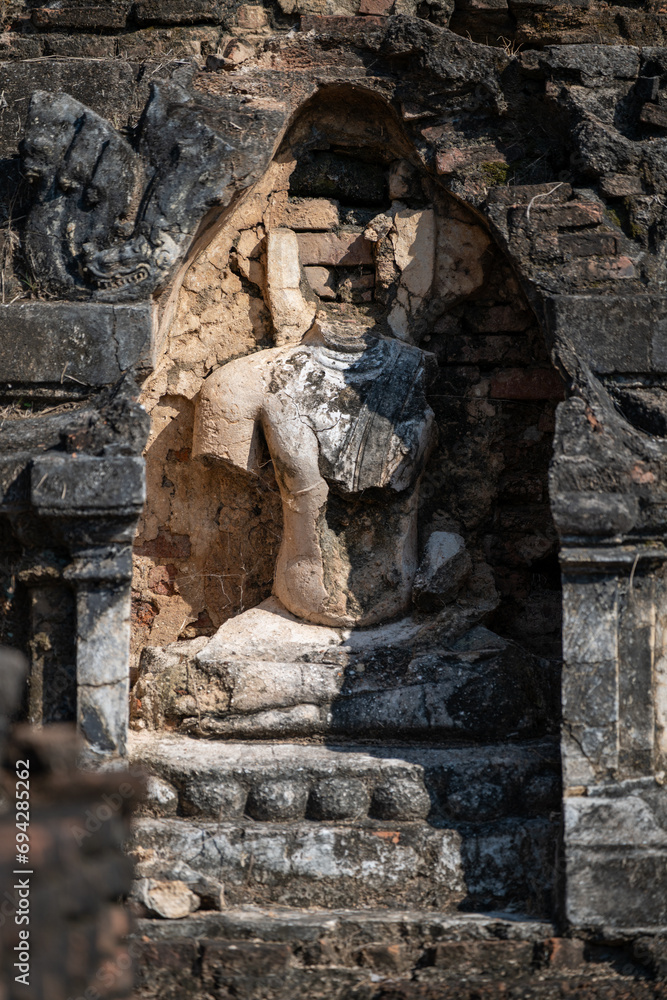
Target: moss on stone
{"type": "Point", "coordinates": [497, 171]}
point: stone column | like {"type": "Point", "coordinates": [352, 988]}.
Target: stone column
{"type": "Point", "coordinates": [614, 669]}
{"type": "Point", "coordinates": [93, 502]}
{"type": "Point", "coordinates": [607, 494]}
{"type": "Point", "coordinates": [102, 576]}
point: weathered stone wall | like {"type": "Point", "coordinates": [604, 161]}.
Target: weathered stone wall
{"type": "Point", "coordinates": [548, 156]}
{"type": "Point", "coordinates": [177, 28]}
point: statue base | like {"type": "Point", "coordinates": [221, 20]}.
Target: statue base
{"type": "Point", "coordinates": [267, 674]}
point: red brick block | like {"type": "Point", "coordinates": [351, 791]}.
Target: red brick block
{"type": "Point", "coordinates": [345, 249]}
{"type": "Point", "coordinates": [564, 953]}
{"type": "Point", "coordinates": [574, 213]}
{"type": "Point", "coordinates": [447, 161]}
{"type": "Point", "coordinates": [489, 957]}
{"type": "Point", "coordinates": [588, 244]}
{"type": "Point", "coordinates": [251, 17]}
{"type": "Point", "coordinates": [384, 957]}
{"type": "Point", "coordinates": [621, 267]}
{"type": "Point", "coordinates": [339, 23]}
{"type": "Point", "coordinates": [165, 546]}
{"type": "Point", "coordinates": [620, 186]}
{"type": "Point", "coordinates": [172, 954]}
{"type": "Point", "coordinates": [527, 383]}
{"type": "Point", "coordinates": [380, 7]}
{"type": "Point", "coordinates": [82, 17]}
{"type": "Point", "coordinates": [519, 195]}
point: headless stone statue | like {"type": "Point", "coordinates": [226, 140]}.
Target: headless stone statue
{"type": "Point", "coordinates": [346, 421]}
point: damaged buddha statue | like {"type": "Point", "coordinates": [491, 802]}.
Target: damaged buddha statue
{"type": "Point", "coordinates": [347, 425]}
{"type": "Point", "coordinates": [348, 428]}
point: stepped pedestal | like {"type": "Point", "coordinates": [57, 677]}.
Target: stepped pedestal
{"type": "Point", "coordinates": [439, 828]}
{"type": "Point", "coordinates": [381, 771]}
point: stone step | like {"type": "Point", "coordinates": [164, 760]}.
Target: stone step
{"type": "Point", "coordinates": [255, 953]}
{"type": "Point", "coordinates": [438, 827]}
{"type": "Point", "coordinates": [251, 953]}
{"type": "Point", "coordinates": [346, 782]}
{"type": "Point", "coordinates": [367, 864]}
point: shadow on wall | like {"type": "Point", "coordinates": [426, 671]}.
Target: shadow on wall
{"type": "Point", "coordinates": [500, 805]}
{"type": "Point", "coordinates": [209, 540]}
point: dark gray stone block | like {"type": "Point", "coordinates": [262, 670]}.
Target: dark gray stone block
{"type": "Point", "coordinates": [221, 798]}
{"type": "Point", "coordinates": [612, 333]}
{"type": "Point", "coordinates": [68, 342]}
{"type": "Point", "coordinates": [339, 798]}
{"type": "Point", "coordinates": [60, 484]}
{"type": "Point", "coordinates": [401, 799]}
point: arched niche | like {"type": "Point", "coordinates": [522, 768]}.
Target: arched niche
{"type": "Point", "coordinates": [208, 539]}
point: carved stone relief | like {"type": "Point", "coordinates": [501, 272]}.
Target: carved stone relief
{"type": "Point", "coordinates": [110, 221]}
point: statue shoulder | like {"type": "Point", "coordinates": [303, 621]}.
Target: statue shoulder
{"type": "Point", "coordinates": [249, 370]}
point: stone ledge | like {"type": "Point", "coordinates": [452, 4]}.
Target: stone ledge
{"type": "Point", "coordinates": [87, 343]}
{"type": "Point", "coordinates": [331, 954]}
{"type": "Point", "coordinates": [279, 923]}
{"type": "Point", "coordinates": [61, 484]}
{"type": "Point", "coordinates": [266, 674]}
{"type": "Point", "coordinates": [370, 863]}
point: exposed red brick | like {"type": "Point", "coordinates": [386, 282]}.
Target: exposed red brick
{"type": "Point", "coordinates": [380, 7]}
{"type": "Point", "coordinates": [241, 956]}
{"type": "Point", "coordinates": [175, 954]}
{"type": "Point", "coordinates": [182, 455]}
{"type": "Point", "coordinates": [574, 213]}
{"type": "Point", "coordinates": [527, 383]}
{"type": "Point", "coordinates": [510, 956]}
{"type": "Point", "coordinates": [143, 612]}
{"type": "Point", "coordinates": [522, 194]}
{"type": "Point", "coordinates": [165, 546]}
{"type": "Point", "coordinates": [91, 16]}
{"type": "Point", "coordinates": [341, 23]}
{"type": "Point", "coordinates": [564, 953]}
{"type": "Point", "coordinates": [620, 186]}
{"type": "Point", "coordinates": [621, 267]}
{"type": "Point", "coordinates": [448, 161]}
{"type": "Point", "coordinates": [588, 244]}
{"type": "Point", "coordinates": [251, 16]}
{"type": "Point", "coordinates": [384, 957]}
{"type": "Point", "coordinates": [161, 580]}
